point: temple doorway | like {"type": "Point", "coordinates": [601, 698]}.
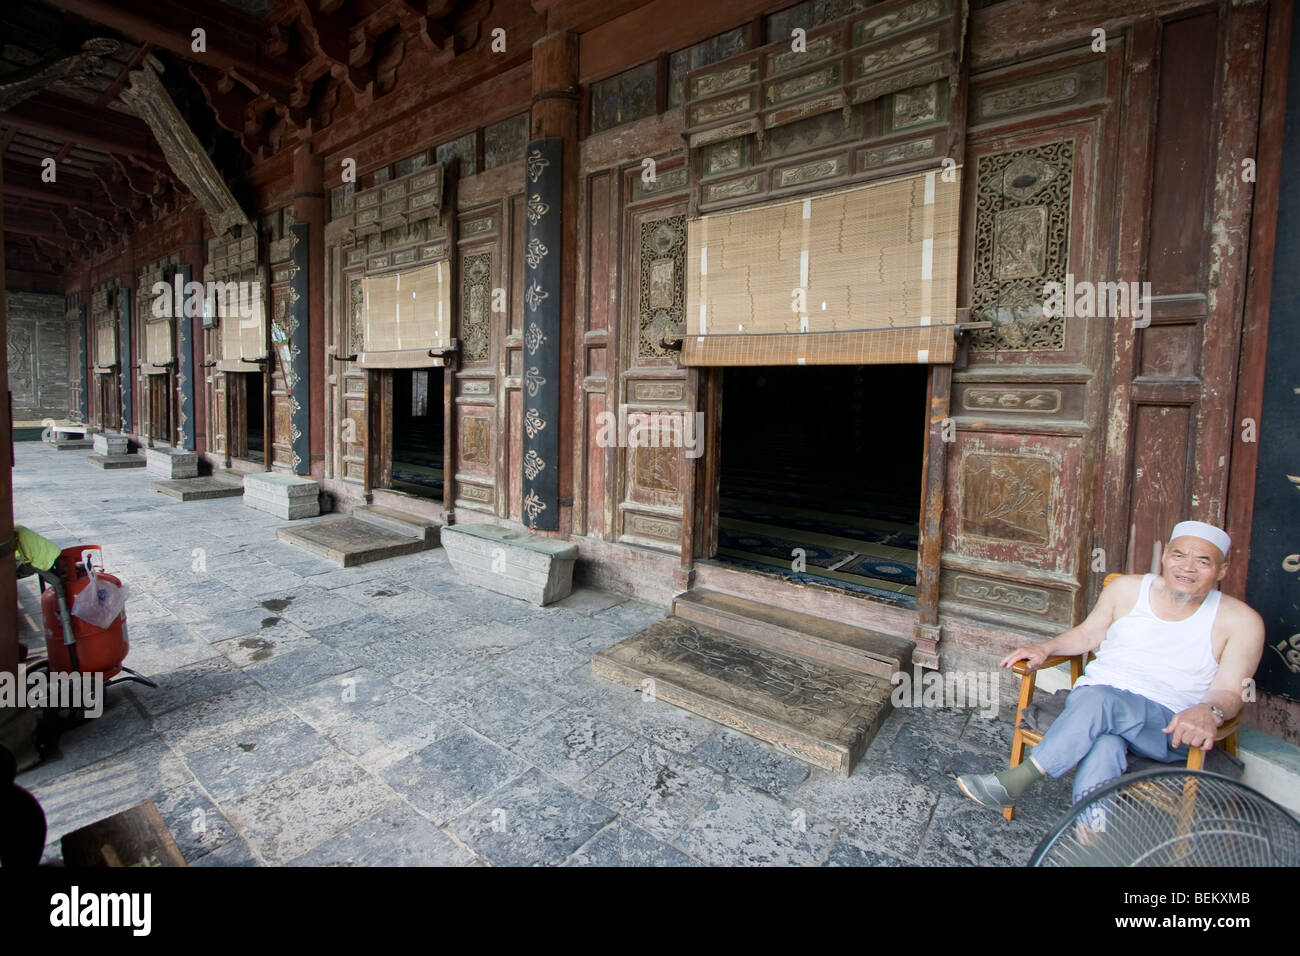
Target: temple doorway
{"type": "Point", "coordinates": [820, 475]}
{"type": "Point", "coordinates": [417, 437]}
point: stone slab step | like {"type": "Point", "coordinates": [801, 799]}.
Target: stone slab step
{"type": "Point", "coordinates": [172, 463]}
{"type": "Point", "coordinates": [397, 522]}
{"type": "Point", "coordinates": [288, 497]}
{"type": "Point", "coordinates": [69, 444]}
{"type": "Point", "coordinates": [199, 489]}
{"type": "Point", "coordinates": [348, 541]}
{"type": "Point", "coordinates": [823, 715]}
{"type": "Point", "coordinates": [117, 461]}
{"type": "Point", "coordinates": [792, 632]}
{"type": "Point", "coordinates": [527, 566]}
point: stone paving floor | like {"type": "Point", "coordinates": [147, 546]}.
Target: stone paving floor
{"type": "Point", "coordinates": [389, 715]}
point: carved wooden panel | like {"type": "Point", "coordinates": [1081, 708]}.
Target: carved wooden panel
{"type": "Point", "coordinates": [1022, 231]}
{"type": "Point", "coordinates": [476, 306]}
{"type": "Point", "coordinates": [1007, 497]}
{"type": "Point", "coordinates": [662, 293]}
{"type": "Point", "coordinates": [476, 444]}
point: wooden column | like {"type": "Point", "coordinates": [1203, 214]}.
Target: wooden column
{"type": "Point", "coordinates": [927, 631]}
{"type": "Point", "coordinates": [555, 113]}
{"type": "Point", "coordinates": [194, 254]}
{"type": "Point", "coordinates": [8, 583]}
{"type": "Point", "coordinates": [309, 207]}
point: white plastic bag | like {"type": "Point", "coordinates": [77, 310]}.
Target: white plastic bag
{"type": "Point", "coordinates": [100, 602]}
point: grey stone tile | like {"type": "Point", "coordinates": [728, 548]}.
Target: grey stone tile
{"type": "Point", "coordinates": [221, 626]}
{"type": "Point", "coordinates": [601, 638]}
{"type": "Point", "coordinates": [356, 633]}
{"type": "Point", "coordinates": [666, 725]}
{"type": "Point", "coordinates": [631, 616]}
{"type": "Point", "coordinates": [335, 699]}
{"type": "Point", "coordinates": [963, 833]}
{"type": "Point", "coordinates": [533, 820]}
{"type": "Point", "coordinates": [590, 601]}
{"type": "Point", "coordinates": [395, 836]}
{"type": "Point", "coordinates": [990, 735]}
{"type": "Point", "coordinates": [382, 735]}
{"type": "Point", "coordinates": [501, 708]}
{"type": "Point", "coordinates": [186, 685]}
{"type": "Point", "coordinates": [342, 577]}
{"type": "Point", "coordinates": [213, 719]}
{"type": "Point", "coordinates": [587, 692]}
{"type": "Point", "coordinates": [82, 797]}
{"type": "Point", "coordinates": [234, 853]}
{"type": "Point", "coordinates": [399, 652]}
{"type": "Point", "coordinates": [569, 744]}
{"type": "Point", "coordinates": [196, 824]}
{"type": "Point", "coordinates": [934, 759]}
{"type": "Point", "coordinates": [488, 641]}
{"type": "Point", "coordinates": [305, 664]}
{"type": "Point", "coordinates": [653, 787]}
{"type": "Point", "coordinates": [543, 662]}
{"type": "Point", "coordinates": [277, 636]}
{"type": "Point", "coordinates": [556, 627]}
{"type": "Point", "coordinates": [758, 764]}
{"type": "Point", "coordinates": [303, 809]}
{"type": "Point", "coordinates": [309, 607]}
{"type": "Point", "coordinates": [120, 727]}
{"type": "Point", "coordinates": [850, 851]}
{"type": "Point", "coordinates": [881, 805]}
{"type": "Point", "coordinates": [742, 827]}
{"type": "Point", "coordinates": [622, 844]}
{"type": "Point", "coordinates": [452, 774]}
{"type": "Point", "coordinates": [448, 679]}
{"type": "Point", "coordinates": [249, 761]}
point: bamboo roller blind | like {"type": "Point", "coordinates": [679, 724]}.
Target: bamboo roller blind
{"type": "Point", "coordinates": [406, 315]}
{"type": "Point", "coordinates": [157, 346]}
{"type": "Point", "coordinates": [242, 337]}
{"type": "Point", "coordinates": [863, 276]}
{"type": "Point", "coordinates": [105, 343]}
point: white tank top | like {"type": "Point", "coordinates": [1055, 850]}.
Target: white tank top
{"type": "Point", "coordinates": [1170, 662]}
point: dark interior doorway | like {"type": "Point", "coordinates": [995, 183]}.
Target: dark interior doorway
{"type": "Point", "coordinates": [254, 416]}
{"type": "Point", "coordinates": [418, 431]}
{"type": "Point", "coordinates": [828, 460]}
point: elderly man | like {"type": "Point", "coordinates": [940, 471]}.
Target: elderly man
{"type": "Point", "coordinates": [1173, 654]}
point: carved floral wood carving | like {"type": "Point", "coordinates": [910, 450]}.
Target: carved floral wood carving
{"type": "Point", "coordinates": [1008, 497]}
{"type": "Point", "coordinates": [662, 302]}
{"type": "Point", "coordinates": [1022, 231]}
{"type": "Point", "coordinates": [476, 298]}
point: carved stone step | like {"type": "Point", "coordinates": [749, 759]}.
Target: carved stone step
{"type": "Point", "coordinates": [823, 715]}
{"type": "Point", "coordinates": [396, 522]}
{"type": "Point", "coordinates": [348, 541]}
{"type": "Point", "coordinates": [525, 566]}
{"type": "Point", "coordinates": [791, 632]}
{"type": "Point", "coordinates": [200, 489]}
{"type": "Point", "coordinates": [286, 496]}
{"type": "Point", "coordinates": [109, 462]}
{"type": "Point", "coordinates": [172, 462]}
{"type": "Point", "coordinates": [110, 443]}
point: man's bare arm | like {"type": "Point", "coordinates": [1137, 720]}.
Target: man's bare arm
{"type": "Point", "coordinates": [1080, 639]}
{"type": "Point", "coordinates": [1196, 726]}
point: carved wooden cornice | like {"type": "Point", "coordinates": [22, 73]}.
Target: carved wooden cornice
{"type": "Point", "coordinates": [24, 84]}
{"type": "Point", "coordinates": [148, 99]}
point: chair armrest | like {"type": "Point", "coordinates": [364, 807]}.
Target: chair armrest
{"type": "Point", "coordinates": [1020, 667]}
{"type": "Point", "coordinates": [1230, 727]}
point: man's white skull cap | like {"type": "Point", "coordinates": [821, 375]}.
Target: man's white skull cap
{"type": "Point", "coordinates": [1208, 532]}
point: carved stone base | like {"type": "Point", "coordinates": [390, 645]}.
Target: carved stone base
{"type": "Point", "coordinates": [172, 462]}
{"type": "Point", "coordinates": [285, 496]}
{"type": "Point", "coordinates": [927, 637]}
{"type": "Point", "coordinates": [683, 579]}
{"type": "Point", "coordinates": [522, 565]}
{"type": "Point", "coordinates": [108, 443]}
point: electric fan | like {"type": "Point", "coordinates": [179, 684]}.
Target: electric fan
{"type": "Point", "coordinates": [1172, 817]}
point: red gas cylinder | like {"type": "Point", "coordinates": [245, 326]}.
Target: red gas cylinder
{"type": "Point", "coordinates": [99, 649]}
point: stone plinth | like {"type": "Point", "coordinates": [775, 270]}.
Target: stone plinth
{"type": "Point", "coordinates": [109, 443]}
{"type": "Point", "coordinates": [522, 565]}
{"type": "Point", "coordinates": [286, 496]}
{"type": "Point", "coordinates": [172, 463]}
{"type": "Point", "coordinates": [110, 462]}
